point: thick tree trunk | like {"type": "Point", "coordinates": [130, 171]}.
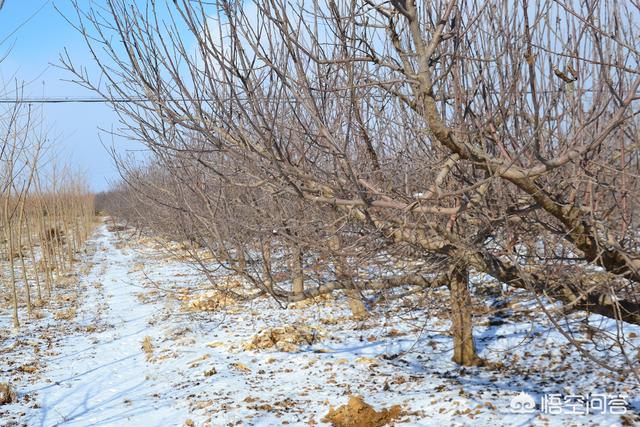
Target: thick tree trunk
{"type": "Point", "coordinates": [343, 273]}
{"type": "Point", "coordinates": [464, 349]}
{"type": "Point", "coordinates": [297, 270]}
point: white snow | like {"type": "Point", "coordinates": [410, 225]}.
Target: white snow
{"type": "Point", "coordinates": [92, 369]}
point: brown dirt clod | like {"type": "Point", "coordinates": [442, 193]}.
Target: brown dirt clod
{"type": "Point", "coordinates": [358, 413]}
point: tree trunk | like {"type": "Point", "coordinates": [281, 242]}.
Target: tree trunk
{"type": "Point", "coordinates": [297, 270]}
{"type": "Point", "coordinates": [358, 310]}
{"type": "Point", "coordinates": [464, 349]}
{"type": "Point", "coordinates": [23, 267]}
{"type": "Point", "coordinates": [34, 264]}
{"type": "Point", "coordinates": [343, 273]}
{"type": "Point", "coordinates": [266, 259]}
{"type": "Point", "coordinates": [241, 261]}
{"type": "Point", "coordinates": [9, 245]}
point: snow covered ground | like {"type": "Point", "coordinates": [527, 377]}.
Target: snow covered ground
{"type": "Point", "coordinates": [139, 350]}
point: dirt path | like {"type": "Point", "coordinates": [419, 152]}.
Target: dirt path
{"type": "Point", "coordinates": [102, 377]}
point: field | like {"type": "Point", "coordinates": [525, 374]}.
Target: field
{"type": "Point", "coordinates": [136, 338]}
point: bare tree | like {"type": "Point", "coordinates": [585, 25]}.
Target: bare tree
{"type": "Point", "coordinates": [458, 138]}
{"type": "Point", "coordinates": [43, 223]}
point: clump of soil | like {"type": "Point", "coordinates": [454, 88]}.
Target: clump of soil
{"type": "Point", "coordinates": [7, 395]}
{"type": "Point", "coordinates": [208, 301]}
{"type": "Point", "coordinates": [358, 413]}
{"type": "Point", "coordinates": [322, 300]}
{"type": "Point", "coordinates": [228, 289]}
{"type": "Point", "coordinates": [287, 338]}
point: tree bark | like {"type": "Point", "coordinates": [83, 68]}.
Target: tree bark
{"type": "Point", "coordinates": [266, 258]}
{"type": "Point", "coordinates": [358, 310]}
{"type": "Point", "coordinates": [25, 278]}
{"type": "Point", "coordinates": [464, 349]}
{"type": "Point", "coordinates": [9, 246]}
{"type": "Point", "coordinates": [241, 261]}
{"type": "Point", "coordinates": [297, 270]}
{"type": "Point", "coordinates": [343, 273]}
{"type": "Point", "coordinates": [34, 265]}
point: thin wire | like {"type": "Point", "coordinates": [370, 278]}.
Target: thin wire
{"type": "Point", "coordinates": [49, 100]}
{"type": "Point", "coordinates": [101, 100]}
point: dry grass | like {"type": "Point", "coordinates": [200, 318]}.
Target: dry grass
{"type": "Point", "coordinates": [148, 297]}
{"type": "Point", "coordinates": [195, 363]}
{"type": "Point", "coordinates": [28, 369]}
{"type": "Point", "coordinates": [86, 268]}
{"type": "Point", "coordinates": [320, 300]}
{"type": "Point", "coordinates": [138, 266]}
{"type": "Point", "coordinates": [209, 301]}
{"type": "Point", "coordinates": [7, 395]}
{"type": "Point", "coordinates": [240, 367]}
{"type": "Point", "coordinates": [287, 338]}
{"type": "Point", "coordinates": [67, 314]}
{"type": "Point", "coordinates": [147, 347]}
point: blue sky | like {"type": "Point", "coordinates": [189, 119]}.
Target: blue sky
{"type": "Point", "coordinates": [33, 54]}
